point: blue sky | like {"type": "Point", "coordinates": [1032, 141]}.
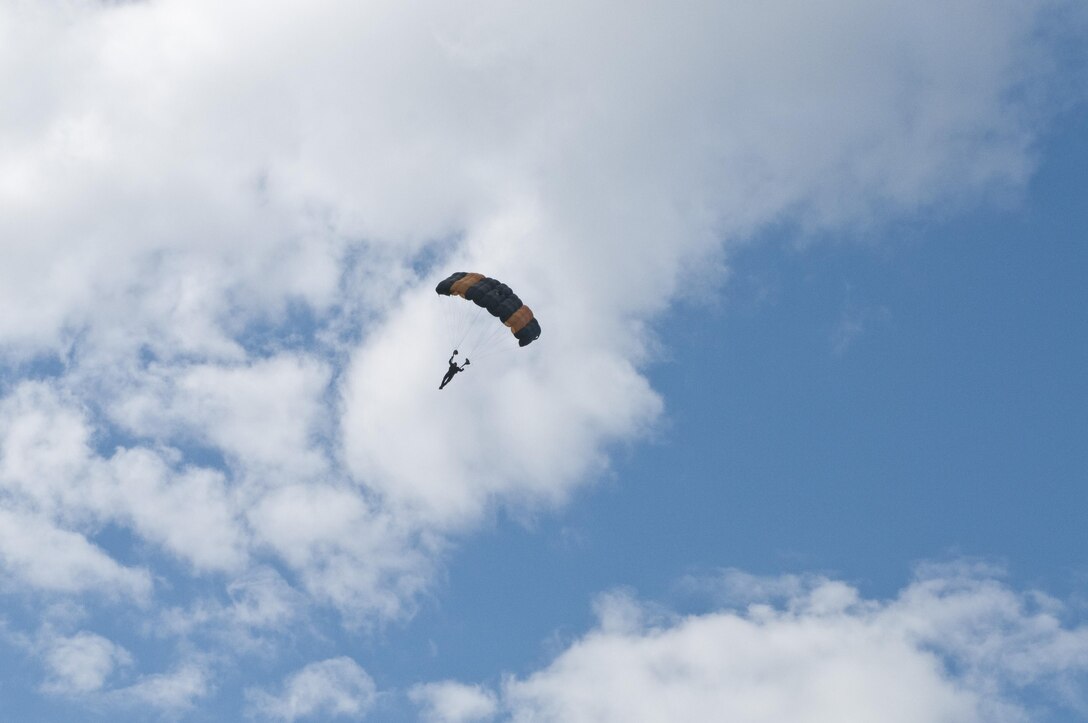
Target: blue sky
{"type": "Point", "coordinates": [804, 437]}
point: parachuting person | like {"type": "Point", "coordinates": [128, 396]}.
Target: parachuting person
{"type": "Point", "coordinates": [453, 370]}
{"type": "Point", "coordinates": [498, 300]}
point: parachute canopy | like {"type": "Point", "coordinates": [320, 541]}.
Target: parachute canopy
{"type": "Point", "coordinates": [499, 300]}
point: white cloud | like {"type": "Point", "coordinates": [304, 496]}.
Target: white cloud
{"type": "Point", "coordinates": [522, 428]}
{"type": "Point", "coordinates": [190, 513]}
{"type": "Point", "coordinates": [170, 693]}
{"type": "Point", "coordinates": [337, 687]}
{"type": "Point", "coordinates": [955, 645]}
{"type": "Point", "coordinates": [263, 599]}
{"type": "Point", "coordinates": [266, 415]}
{"type": "Point", "coordinates": [53, 478]}
{"type": "Point", "coordinates": [44, 445]}
{"type": "Point", "coordinates": [453, 702]}
{"type": "Point", "coordinates": [262, 615]}
{"type": "Point", "coordinates": [39, 555]}
{"type": "Point", "coordinates": [362, 561]}
{"type": "Point", "coordinates": [81, 663]}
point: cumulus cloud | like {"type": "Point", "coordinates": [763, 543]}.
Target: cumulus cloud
{"type": "Point", "coordinates": [362, 561]}
{"type": "Point", "coordinates": [955, 645]}
{"type": "Point", "coordinates": [55, 481]}
{"type": "Point", "coordinates": [83, 666]}
{"type": "Point", "coordinates": [223, 222]}
{"type": "Point", "coordinates": [332, 688]}
{"type": "Point", "coordinates": [266, 415]}
{"type": "Point", "coordinates": [39, 555]}
{"type": "Point", "coordinates": [81, 663]}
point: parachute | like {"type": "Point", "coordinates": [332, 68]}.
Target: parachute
{"type": "Point", "coordinates": [498, 300]}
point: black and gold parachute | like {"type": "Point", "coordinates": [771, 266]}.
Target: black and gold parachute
{"type": "Point", "coordinates": [499, 300]}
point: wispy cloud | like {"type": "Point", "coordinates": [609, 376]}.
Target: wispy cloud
{"type": "Point", "coordinates": [331, 689]}
{"type": "Point", "coordinates": [171, 693]}
{"type": "Point", "coordinates": [452, 702]}
{"type": "Point", "coordinates": [855, 321]}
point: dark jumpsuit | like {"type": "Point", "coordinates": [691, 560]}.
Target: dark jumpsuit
{"type": "Point", "coordinates": [451, 372]}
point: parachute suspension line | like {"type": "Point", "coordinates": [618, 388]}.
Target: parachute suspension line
{"type": "Point", "coordinates": [464, 319]}
{"type": "Point", "coordinates": [453, 322]}
{"type": "Point", "coordinates": [473, 325]}
{"type": "Point", "coordinates": [497, 340]}
{"type": "Point", "coordinates": [475, 342]}
{"type": "Point", "coordinates": [458, 318]}
{"type": "Point", "coordinates": [496, 351]}
{"type": "Point", "coordinates": [493, 339]}
{"type": "Point", "coordinates": [461, 320]}
{"type": "Point", "coordinates": [486, 340]}
{"type": "Point", "coordinates": [446, 319]}
{"type": "Point", "coordinates": [502, 340]}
